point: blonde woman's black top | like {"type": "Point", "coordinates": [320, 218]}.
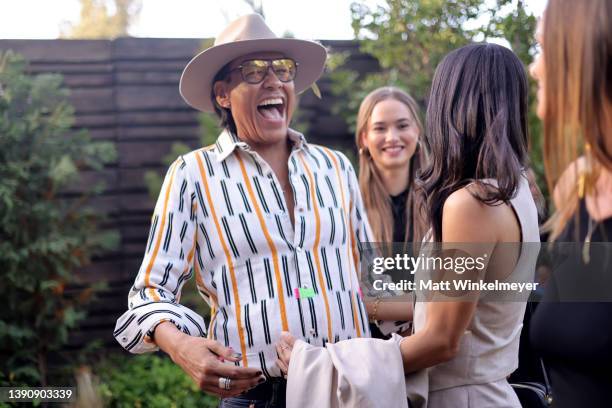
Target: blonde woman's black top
{"type": "Point", "coordinates": [575, 338]}
{"type": "Point", "coordinates": [400, 221]}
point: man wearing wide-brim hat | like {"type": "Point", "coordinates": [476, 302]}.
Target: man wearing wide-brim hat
{"type": "Point", "coordinates": [268, 224]}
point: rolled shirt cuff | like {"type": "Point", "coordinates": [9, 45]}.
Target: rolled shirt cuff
{"type": "Point", "coordinates": [134, 329]}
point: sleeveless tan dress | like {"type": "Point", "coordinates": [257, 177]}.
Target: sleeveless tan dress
{"type": "Point", "coordinates": [488, 351]}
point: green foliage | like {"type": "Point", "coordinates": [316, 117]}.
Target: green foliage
{"type": "Point", "coordinates": [410, 37]}
{"type": "Point", "coordinates": [209, 128]}
{"type": "Point", "coordinates": [44, 235]}
{"type": "Point", "coordinates": [149, 381]}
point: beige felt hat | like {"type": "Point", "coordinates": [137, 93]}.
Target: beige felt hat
{"type": "Point", "coordinates": [244, 36]}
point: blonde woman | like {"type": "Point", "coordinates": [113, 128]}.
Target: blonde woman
{"type": "Point", "coordinates": [575, 105]}
{"type": "Point", "coordinates": [388, 131]}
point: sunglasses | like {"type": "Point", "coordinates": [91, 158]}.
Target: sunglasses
{"type": "Point", "coordinates": [254, 71]}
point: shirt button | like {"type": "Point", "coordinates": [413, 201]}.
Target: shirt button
{"type": "Point", "coordinates": [124, 339]}
{"type": "Point", "coordinates": [301, 209]}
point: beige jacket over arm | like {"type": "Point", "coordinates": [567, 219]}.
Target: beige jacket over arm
{"type": "Point", "coordinates": [363, 373]}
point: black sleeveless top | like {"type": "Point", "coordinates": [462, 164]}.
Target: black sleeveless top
{"type": "Point", "coordinates": [575, 338]}
{"type": "Point", "coordinates": [400, 223]}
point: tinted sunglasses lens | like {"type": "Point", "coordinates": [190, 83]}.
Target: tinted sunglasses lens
{"type": "Point", "coordinates": [284, 69]}
{"type": "Point", "coordinates": [254, 71]}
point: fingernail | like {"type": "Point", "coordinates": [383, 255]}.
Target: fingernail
{"type": "Point", "coordinates": [262, 379]}
{"type": "Point", "coordinates": [237, 355]}
{"type": "Point", "coordinates": [259, 373]}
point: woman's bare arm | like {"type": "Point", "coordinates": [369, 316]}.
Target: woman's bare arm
{"type": "Point", "coordinates": [464, 220]}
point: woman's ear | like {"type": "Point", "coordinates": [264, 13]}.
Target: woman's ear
{"type": "Point", "coordinates": [222, 94]}
{"type": "Point", "coordinates": [363, 142]}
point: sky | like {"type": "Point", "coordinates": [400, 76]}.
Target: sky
{"type": "Point", "coordinates": [307, 19]}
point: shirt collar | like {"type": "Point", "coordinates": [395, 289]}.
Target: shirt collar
{"type": "Point", "coordinates": [227, 142]}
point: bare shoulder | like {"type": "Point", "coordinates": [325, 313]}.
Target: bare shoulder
{"type": "Point", "coordinates": [464, 201]}
{"type": "Point", "coordinates": [466, 219]}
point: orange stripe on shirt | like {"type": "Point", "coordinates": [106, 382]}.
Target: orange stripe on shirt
{"type": "Point", "coordinates": [350, 229]}
{"type": "Point", "coordinates": [277, 275]}
{"type": "Point", "coordinates": [316, 246]}
{"type": "Point", "coordinates": [160, 232]}
{"type": "Point", "coordinates": [229, 260]}
{"type": "Point", "coordinates": [213, 320]}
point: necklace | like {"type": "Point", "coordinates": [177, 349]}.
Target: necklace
{"type": "Point", "coordinates": [586, 247]}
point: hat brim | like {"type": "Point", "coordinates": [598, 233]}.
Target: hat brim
{"type": "Point", "coordinates": [196, 81]}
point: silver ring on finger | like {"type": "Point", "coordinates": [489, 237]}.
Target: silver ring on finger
{"type": "Point", "coordinates": [225, 383]}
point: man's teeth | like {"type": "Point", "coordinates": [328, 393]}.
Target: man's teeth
{"type": "Point", "coordinates": [271, 101]}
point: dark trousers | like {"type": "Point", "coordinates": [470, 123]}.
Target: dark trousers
{"type": "Point", "coordinates": [270, 394]}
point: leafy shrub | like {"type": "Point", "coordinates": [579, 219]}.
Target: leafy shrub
{"type": "Point", "coordinates": [148, 380]}
{"type": "Point", "coordinates": [45, 234]}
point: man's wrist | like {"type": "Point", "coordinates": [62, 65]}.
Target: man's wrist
{"type": "Point", "coordinates": [168, 337]}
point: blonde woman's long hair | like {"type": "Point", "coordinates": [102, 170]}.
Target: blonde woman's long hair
{"type": "Point", "coordinates": [577, 51]}
{"type": "Point", "coordinates": [376, 198]}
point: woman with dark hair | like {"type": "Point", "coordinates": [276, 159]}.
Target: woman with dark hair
{"type": "Point", "coordinates": [574, 74]}
{"type": "Point", "coordinates": [473, 191]}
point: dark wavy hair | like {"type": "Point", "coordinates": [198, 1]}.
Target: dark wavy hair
{"type": "Point", "coordinates": [476, 128]}
{"type": "Point", "coordinates": [226, 120]}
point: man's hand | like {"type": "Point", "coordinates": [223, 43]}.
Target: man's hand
{"type": "Point", "coordinates": [202, 359]}
{"type": "Point", "coordinates": [283, 350]}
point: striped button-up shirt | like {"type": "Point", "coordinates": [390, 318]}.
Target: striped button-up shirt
{"type": "Point", "coordinates": [221, 216]}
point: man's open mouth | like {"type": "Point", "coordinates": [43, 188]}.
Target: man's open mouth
{"type": "Point", "coordinates": [272, 108]}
